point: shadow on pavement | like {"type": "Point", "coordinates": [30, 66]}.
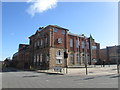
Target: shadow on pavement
{"type": "Point", "coordinates": [89, 78]}
{"type": "Point", "coordinates": [115, 76]}
{"type": "Point", "coordinates": [54, 73]}
{"type": "Point", "coordinates": [9, 69]}
{"type": "Point", "coordinates": [85, 78]}
{"type": "Point", "coordinates": [31, 76]}
{"type": "Point", "coordinates": [45, 73]}
{"type": "Point", "coordinates": [114, 69]}
{"type": "Point", "coordinates": [91, 72]}
{"type": "Point", "coordinates": [110, 75]}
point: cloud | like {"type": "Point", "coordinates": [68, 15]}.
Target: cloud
{"type": "Point", "coordinates": [39, 6]}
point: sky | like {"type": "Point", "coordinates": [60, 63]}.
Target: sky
{"type": "Point", "coordinates": [20, 20]}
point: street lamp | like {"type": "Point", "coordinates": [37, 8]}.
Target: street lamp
{"type": "Point", "coordinates": [85, 56]}
{"type": "Point", "coordinates": [116, 54]}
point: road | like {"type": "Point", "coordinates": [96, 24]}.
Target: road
{"type": "Point", "coordinates": [33, 79]}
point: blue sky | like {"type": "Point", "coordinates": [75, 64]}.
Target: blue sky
{"type": "Point", "coordinates": [100, 19]}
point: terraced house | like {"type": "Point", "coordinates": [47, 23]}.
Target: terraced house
{"type": "Point", "coordinates": [49, 44]}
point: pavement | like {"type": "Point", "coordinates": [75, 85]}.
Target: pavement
{"type": "Point", "coordinates": [12, 78]}
{"type": "Point", "coordinates": [95, 70]}
{"type": "Point", "coordinates": [91, 70]}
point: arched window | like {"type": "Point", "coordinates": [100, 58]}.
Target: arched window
{"type": "Point", "coordinates": [35, 44]}
{"type": "Point", "coordinates": [38, 43]}
{"type": "Point", "coordinates": [46, 40]}
{"type": "Point", "coordinates": [77, 58]}
{"type": "Point", "coordinates": [71, 58]}
{"type": "Point", "coordinates": [34, 58]}
{"type": "Point", "coordinates": [88, 57]}
{"type": "Point", "coordinates": [59, 57]}
{"type": "Point", "coordinates": [41, 42]}
{"type": "Point", "coordinates": [37, 59]}
{"type": "Point", "coordinates": [59, 53]}
{"type": "Point", "coordinates": [47, 57]}
{"type": "Point", "coordinates": [87, 45]}
{"type": "Point", "coordinates": [40, 57]}
{"type": "Point", "coordinates": [77, 43]}
{"type": "Point", "coordinates": [83, 58]}
{"type": "Point", "coordinates": [58, 61]}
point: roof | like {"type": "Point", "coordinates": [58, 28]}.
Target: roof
{"type": "Point", "coordinates": [58, 27]}
{"type": "Point", "coordinates": [23, 44]}
{"type": "Point", "coordinates": [41, 28]}
{"type": "Point", "coordinates": [15, 54]}
{"type": "Point", "coordinates": [77, 35]}
{"type": "Point", "coordinates": [113, 46]}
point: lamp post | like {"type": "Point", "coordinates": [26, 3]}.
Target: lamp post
{"type": "Point", "coordinates": [116, 54]}
{"type": "Point", "coordinates": [66, 66]}
{"type": "Point", "coordinates": [85, 56]}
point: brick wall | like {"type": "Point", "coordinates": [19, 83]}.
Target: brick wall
{"type": "Point", "coordinates": [49, 40]}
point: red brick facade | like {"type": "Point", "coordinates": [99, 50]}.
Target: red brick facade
{"type": "Point", "coordinates": [23, 56]}
{"type": "Point", "coordinates": [110, 54]}
{"type": "Point", "coordinates": [47, 46]}
{"type": "Point", "coordinates": [47, 42]}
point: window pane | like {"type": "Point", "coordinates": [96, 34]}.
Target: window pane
{"type": "Point", "coordinates": [77, 44]}
{"type": "Point", "coordinates": [58, 61]}
{"type": "Point", "coordinates": [40, 57]}
{"type": "Point", "coordinates": [63, 32]}
{"type": "Point", "coordinates": [59, 53]}
{"type": "Point", "coordinates": [59, 40]}
{"type": "Point", "coordinates": [38, 43]}
{"type": "Point", "coordinates": [55, 30]}
{"type": "Point", "coordinates": [83, 44]}
{"type": "Point", "coordinates": [94, 47]}
{"type": "Point", "coordinates": [71, 42]}
{"type": "Point", "coordinates": [45, 40]}
{"type": "Point", "coordinates": [35, 44]}
{"type": "Point", "coordinates": [77, 59]}
{"type": "Point", "coordinates": [34, 58]}
{"type": "Point", "coordinates": [71, 58]}
{"type": "Point", "coordinates": [41, 42]}
{"type": "Point", "coordinates": [87, 45]}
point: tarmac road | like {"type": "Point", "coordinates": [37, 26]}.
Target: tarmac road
{"type": "Point", "coordinates": [13, 78]}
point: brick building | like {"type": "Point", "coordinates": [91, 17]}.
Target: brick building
{"type": "Point", "coordinates": [22, 57]}
{"type": "Point", "coordinates": [15, 59]}
{"type": "Point", "coordinates": [110, 54]}
{"type": "Point", "coordinates": [48, 44]}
